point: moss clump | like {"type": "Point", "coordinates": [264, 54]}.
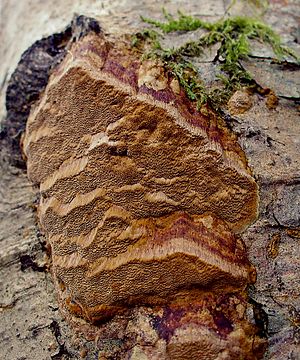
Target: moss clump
{"type": "Point", "coordinates": [183, 23]}
{"type": "Point", "coordinates": [188, 78]}
{"type": "Point", "coordinates": [146, 35]}
{"type": "Point", "coordinates": [233, 35]}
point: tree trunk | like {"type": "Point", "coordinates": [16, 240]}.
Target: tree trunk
{"type": "Point", "coordinates": [32, 326]}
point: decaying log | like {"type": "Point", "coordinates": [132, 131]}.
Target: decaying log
{"type": "Point", "coordinates": [147, 249]}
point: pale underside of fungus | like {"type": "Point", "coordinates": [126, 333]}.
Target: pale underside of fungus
{"type": "Point", "coordinates": [142, 200]}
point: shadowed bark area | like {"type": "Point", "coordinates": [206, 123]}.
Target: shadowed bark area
{"type": "Point", "coordinates": [32, 327]}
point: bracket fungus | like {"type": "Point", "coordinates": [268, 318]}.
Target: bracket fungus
{"type": "Point", "coordinates": [142, 199]}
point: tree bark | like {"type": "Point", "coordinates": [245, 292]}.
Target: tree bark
{"type": "Point", "coordinates": [32, 326]}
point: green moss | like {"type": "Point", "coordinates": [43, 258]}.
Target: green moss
{"type": "Point", "coordinates": [183, 23]}
{"type": "Point", "coordinates": [146, 35]}
{"type": "Point", "coordinates": [189, 80]}
{"type": "Point", "coordinates": [233, 36]}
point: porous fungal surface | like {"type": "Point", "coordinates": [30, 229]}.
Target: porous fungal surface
{"type": "Point", "coordinates": [142, 200]}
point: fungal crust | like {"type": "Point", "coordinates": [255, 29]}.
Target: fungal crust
{"type": "Point", "coordinates": [142, 196]}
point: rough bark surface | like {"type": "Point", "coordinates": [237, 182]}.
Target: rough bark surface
{"type": "Point", "coordinates": [31, 325]}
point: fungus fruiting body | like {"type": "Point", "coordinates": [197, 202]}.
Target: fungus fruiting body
{"type": "Point", "coordinates": [142, 198]}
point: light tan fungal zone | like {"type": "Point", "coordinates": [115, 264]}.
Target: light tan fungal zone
{"type": "Point", "coordinates": [141, 195]}
{"type": "Point", "coordinates": [240, 102]}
